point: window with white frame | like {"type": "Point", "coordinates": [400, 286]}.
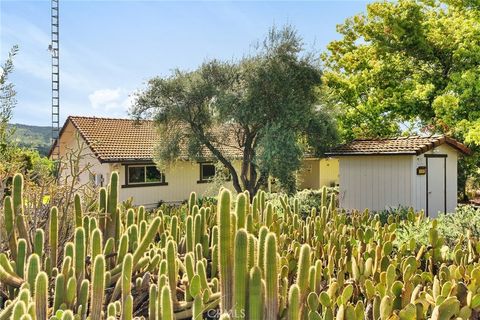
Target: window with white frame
{"type": "Point", "coordinates": [144, 174]}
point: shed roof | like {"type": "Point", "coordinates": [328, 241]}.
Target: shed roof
{"type": "Point", "coordinates": [123, 140]}
{"type": "Point", "coordinates": [411, 145]}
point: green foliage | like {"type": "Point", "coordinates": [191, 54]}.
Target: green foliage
{"type": "Point", "coordinates": [451, 226]}
{"type": "Point", "coordinates": [265, 104]}
{"type": "Point", "coordinates": [408, 66]}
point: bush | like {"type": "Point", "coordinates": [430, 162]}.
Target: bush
{"type": "Point", "coordinates": [308, 199]}
{"type": "Point", "coordinates": [451, 226]}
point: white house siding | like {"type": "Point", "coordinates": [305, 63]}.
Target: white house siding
{"type": "Point", "coordinates": [72, 141]}
{"type": "Point", "coordinates": [375, 182]}
{"type": "Point", "coordinates": [419, 185]}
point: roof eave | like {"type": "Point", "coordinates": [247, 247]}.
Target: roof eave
{"type": "Point", "coordinates": [353, 154]}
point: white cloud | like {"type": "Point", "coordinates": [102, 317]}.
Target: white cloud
{"type": "Point", "coordinates": [111, 99]}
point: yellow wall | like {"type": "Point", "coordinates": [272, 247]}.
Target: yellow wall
{"type": "Point", "coordinates": [316, 173]}
{"type": "Point", "coordinates": [329, 172]}
{"type": "Point", "coordinates": [309, 175]}
{"type": "Point", "coordinates": [181, 178]}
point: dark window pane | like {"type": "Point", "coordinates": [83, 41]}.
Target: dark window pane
{"type": "Point", "coordinates": [136, 174]}
{"type": "Point", "coordinates": [153, 175]}
{"type": "Point", "coordinates": [208, 171]}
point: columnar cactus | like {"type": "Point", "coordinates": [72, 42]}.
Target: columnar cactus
{"type": "Point", "coordinates": [17, 200]}
{"type": "Point", "coordinates": [41, 296]}
{"type": "Point", "coordinates": [166, 307]}
{"type": "Point", "coordinates": [225, 260]}
{"type": "Point", "coordinates": [53, 235]}
{"type": "Point", "coordinates": [98, 287]}
{"type": "Point", "coordinates": [10, 225]}
{"type": "Point", "coordinates": [80, 253]}
{"type": "Point", "coordinates": [127, 267]}
{"type": "Point", "coordinates": [271, 274]}
{"type": "Point", "coordinates": [256, 262]}
{"type": "Point", "coordinates": [240, 276]}
{"type": "Point", "coordinates": [255, 294]}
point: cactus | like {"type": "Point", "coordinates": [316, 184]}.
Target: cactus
{"type": "Point", "coordinates": [78, 211]}
{"type": "Point", "coordinates": [192, 201]}
{"type": "Point", "coordinates": [325, 264]}
{"type": "Point", "coordinates": [294, 303]}
{"type": "Point", "coordinates": [80, 253]}
{"type": "Point", "coordinates": [21, 257]}
{"type": "Point", "coordinates": [172, 269]}
{"type": "Point", "coordinates": [59, 292]}
{"type": "Point", "coordinates": [241, 210]}
{"type": "Point", "coordinates": [41, 296]}
{"type": "Point", "coordinates": [240, 276]}
{"type": "Point", "coordinates": [271, 281]}
{"type": "Point", "coordinates": [111, 208]}
{"type": "Point", "coordinates": [127, 313]}
{"type": "Point", "coordinates": [225, 250]}
{"type": "Point", "coordinates": [127, 276]}
{"type": "Point", "coordinates": [53, 235]}
{"type": "Point", "coordinates": [166, 307]}
{"type": "Point", "coordinates": [255, 300]}
{"type": "Point", "coordinates": [33, 268]}
{"type": "Point", "coordinates": [17, 200]}
{"type": "Point", "coordinates": [98, 287]}
{"type": "Point", "coordinates": [10, 225]}
{"type": "Point", "coordinates": [152, 302]}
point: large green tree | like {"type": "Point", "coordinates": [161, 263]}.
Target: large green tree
{"type": "Point", "coordinates": [264, 105]}
{"type": "Point", "coordinates": [408, 66]}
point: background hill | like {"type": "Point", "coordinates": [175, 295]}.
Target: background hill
{"type": "Point", "coordinates": [35, 137]}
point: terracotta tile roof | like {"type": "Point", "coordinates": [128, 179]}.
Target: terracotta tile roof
{"type": "Point", "coordinates": [117, 140]}
{"type": "Point", "coordinates": [414, 145]}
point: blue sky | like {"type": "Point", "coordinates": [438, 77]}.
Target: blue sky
{"type": "Point", "coordinates": [110, 48]}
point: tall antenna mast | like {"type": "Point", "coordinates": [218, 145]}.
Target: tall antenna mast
{"type": "Point", "coordinates": [54, 49]}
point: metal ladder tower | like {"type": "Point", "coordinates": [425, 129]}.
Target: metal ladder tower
{"type": "Point", "coordinates": [54, 49]}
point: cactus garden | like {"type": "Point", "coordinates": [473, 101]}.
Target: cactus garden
{"type": "Point", "coordinates": [242, 258]}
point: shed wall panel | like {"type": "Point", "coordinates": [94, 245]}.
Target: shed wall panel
{"type": "Point", "coordinates": [375, 182]}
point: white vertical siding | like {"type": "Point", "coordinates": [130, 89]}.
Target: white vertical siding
{"type": "Point", "coordinates": [379, 182]}
{"type": "Point", "coordinates": [375, 182]}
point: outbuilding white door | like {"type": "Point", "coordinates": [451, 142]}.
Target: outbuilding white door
{"type": "Point", "coordinates": [436, 184]}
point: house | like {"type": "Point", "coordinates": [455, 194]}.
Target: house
{"type": "Point", "coordinates": [418, 172]}
{"type": "Point", "coordinates": [128, 146]}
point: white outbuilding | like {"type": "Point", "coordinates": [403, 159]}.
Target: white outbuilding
{"type": "Point", "coordinates": [415, 171]}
